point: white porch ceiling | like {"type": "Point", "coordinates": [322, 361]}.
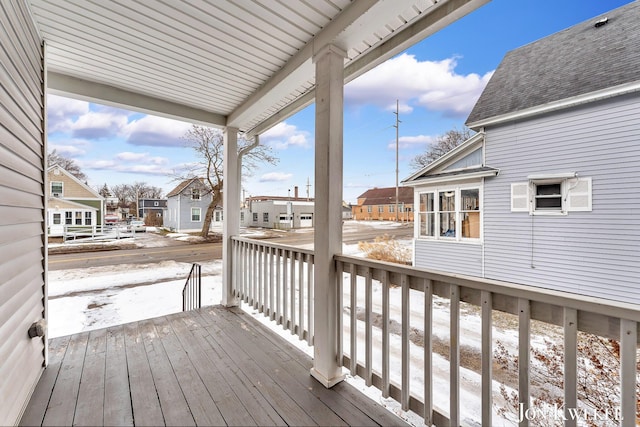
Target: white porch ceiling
{"type": "Point", "coordinates": [240, 63]}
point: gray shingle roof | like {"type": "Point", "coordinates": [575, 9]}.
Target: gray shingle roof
{"type": "Point", "coordinates": [577, 61]}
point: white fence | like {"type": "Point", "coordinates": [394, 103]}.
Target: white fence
{"type": "Point", "coordinates": [408, 332]}
{"type": "Point", "coordinates": [94, 232]}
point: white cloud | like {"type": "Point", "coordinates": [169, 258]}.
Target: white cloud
{"type": "Point", "coordinates": [128, 156]}
{"type": "Point", "coordinates": [156, 131]}
{"type": "Point", "coordinates": [61, 112]}
{"type": "Point", "coordinates": [284, 135]}
{"type": "Point", "coordinates": [416, 141]}
{"type": "Point", "coordinates": [72, 149]}
{"type": "Point", "coordinates": [97, 125]}
{"type": "Point", "coordinates": [275, 177]}
{"type": "Point", "coordinates": [431, 84]}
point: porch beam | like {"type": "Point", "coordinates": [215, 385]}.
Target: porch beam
{"type": "Point", "coordinates": [298, 69]}
{"type": "Point", "coordinates": [84, 90]}
{"type": "Point", "coordinates": [329, 64]}
{"type": "Point", "coordinates": [230, 208]}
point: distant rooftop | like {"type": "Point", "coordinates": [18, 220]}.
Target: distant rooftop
{"type": "Point", "coordinates": [384, 196]}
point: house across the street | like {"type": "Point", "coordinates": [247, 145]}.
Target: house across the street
{"type": "Point", "coordinates": [280, 212]}
{"type": "Point", "coordinates": [547, 193]}
{"type": "Point", "coordinates": [153, 207]}
{"type": "Point", "coordinates": [187, 205]}
{"type": "Point", "coordinates": [380, 204]}
{"type": "Point", "coordinates": [71, 203]}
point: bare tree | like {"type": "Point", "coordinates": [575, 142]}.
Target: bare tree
{"type": "Point", "coordinates": [209, 146]}
{"type": "Point", "coordinates": [70, 165]}
{"type": "Point", "coordinates": [104, 191]}
{"type": "Point", "coordinates": [123, 193]}
{"type": "Point", "coordinates": [442, 145]}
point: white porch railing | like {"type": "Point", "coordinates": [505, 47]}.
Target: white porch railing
{"type": "Point", "coordinates": [386, 306]}
{"type": "Point", "coordinates": [277, 280]}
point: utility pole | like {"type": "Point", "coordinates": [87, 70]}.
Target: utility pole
{"type": "Point", "coordinates": [308, 185]}
{"type": "Point", "coordinates": [397, 126]}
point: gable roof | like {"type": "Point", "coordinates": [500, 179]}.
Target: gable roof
{"type": "Point", "coordinates": [52, 168]}
{"type": "Point", "coordinates": [575, 64]}
{"type": "Point", "coordinates": [385, 196]}
{"type": "Point", "coordinates": [444, 170]}
{"type": "Point", "coordinates": [183, 185]}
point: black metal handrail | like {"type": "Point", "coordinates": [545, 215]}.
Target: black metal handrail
{"type": "Point", "coordinates": [192, 291]}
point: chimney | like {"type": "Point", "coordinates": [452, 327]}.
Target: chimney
{"type": "Point", "coordinates": [295, 192]}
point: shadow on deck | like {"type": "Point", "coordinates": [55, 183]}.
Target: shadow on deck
{"type": "Point", "coordinates": [212, 366]}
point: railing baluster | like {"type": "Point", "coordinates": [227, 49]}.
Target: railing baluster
{"type": "Point", "coordinates": [285, 288]}
{"type": "Point", "coordinates": [524, 321]}
{"type": "Point", "coordinates": [454, 356]}
{"type": "Point", "coordinates": [279, 282]}
{"type": "Point", "coordinates": [265, 280]}
{"type": "Point", "coordinates": [628, 367]}
{"type": "Point", "coordinates": [428, 355]}
{"type": "Point", "coordinates": [293, 282]}
{"type": "Point", "coordinates": [354, 320]}
{"type": "Point", "coordinates": [310, 300]}
{"type": "Point", "coordinates": [368, 358]}
{"type": "Point", "coordinates": [301, 293]}
{"type": "Point", "coordinates": [406, 310]}
{"type": "Point", "coordinates": [271, 297]}
{"type": "Point", "coordinates": [385, 334]}
{"type": "Point", "coordinates": [570, 322]}
{"type": "Point", "coordinates": [252, 275]}
{"type": "Point", "coordinates": [259, 282]}
{"type": "Point", "coordinates": [340, 319]}
{"type": "Point", "coordinates": [245, 273]}
{"type": "Point", "coordinates": [487, 358]}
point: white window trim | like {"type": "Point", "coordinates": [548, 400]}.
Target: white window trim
{"type": "Point", "coordinates": [61, 188]}
{"type": "Point", "coordinates": [199, 214]}
{"type": "Point", "coordinates": [458, 189]}
{"type": "Point", "coordinates": [576, 195]}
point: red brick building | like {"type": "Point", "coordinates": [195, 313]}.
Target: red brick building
{"type": "Point", "coordinates": [380, 204]}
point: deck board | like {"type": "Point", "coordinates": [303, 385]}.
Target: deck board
{"type": "Point", "coordinates": [213, 366]}
{"type": "Point", "coordinates": [90, 404]}
{"type": "Point", "coordinates": [117, 400]}
{"type": "Point", "coordinates": [62, 403]}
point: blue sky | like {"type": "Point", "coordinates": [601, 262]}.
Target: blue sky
{"type": "Point", "coordinates": [436, 82]}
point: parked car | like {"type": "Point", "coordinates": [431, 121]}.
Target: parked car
{"type": "Point", "coordinates": [137, 225]}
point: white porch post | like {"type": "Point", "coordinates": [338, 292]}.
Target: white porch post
{"type": "Point", "coordinates": [329, 62]}
{"type": "Point", "coordinates": [230, 208]}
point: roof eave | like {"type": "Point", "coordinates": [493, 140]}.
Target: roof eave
{"type": "Point", "coordinates": [456, 178]}
{"type": "Point", "coordinates": [462, 148]}
{"type": "Point", "coordinates": [573, 101]}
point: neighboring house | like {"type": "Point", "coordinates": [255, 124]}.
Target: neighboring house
{"type": "Point", "coordinates": [380, 204]}
{"type": "Point", "coordinates": [347, 212]}
{"type": "Point", "coordinates": [71, 202]}
{"type": "Point", "coordinates": [187, 205]}
{"type": "Point", "coordinates": [278, 212]}
{"type": "Point", "coordinates": [112, 211]}
{"type": "Point", "coordinates": [548, 192]}
{"type": "Point", "coordinates": [155, 207]}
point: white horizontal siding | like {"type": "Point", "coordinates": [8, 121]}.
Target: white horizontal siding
{"type": "Point", "coordinates": [591, 253]}
{"type": "Point", "coordinates": [21, 208]}
{"type": "Point", "coordinates": [452, 257]}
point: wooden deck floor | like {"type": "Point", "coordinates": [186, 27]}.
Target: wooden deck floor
{"type": "Point", "coordinates": [212, 366]}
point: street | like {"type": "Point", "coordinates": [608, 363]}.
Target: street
{"type": "Point", "coordinates": [353, 233]}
